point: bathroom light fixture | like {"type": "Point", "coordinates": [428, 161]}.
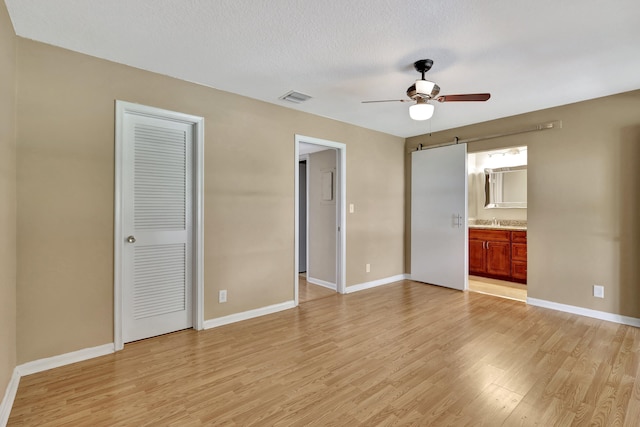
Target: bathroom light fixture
{"type": "Point", "coordinates": [421, 110]}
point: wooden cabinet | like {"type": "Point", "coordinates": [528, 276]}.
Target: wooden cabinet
{"type": "Point", "coordinates": [500, 254]}
{"type": "Point", "coordinates": [490, 252]}
{"type": "Point", "coordinates": [519, 255]}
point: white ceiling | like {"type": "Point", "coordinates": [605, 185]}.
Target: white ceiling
{"type": "Point", "coordinates": [305, 148]}
{"type": "Point", "coordinates": [529, 54]}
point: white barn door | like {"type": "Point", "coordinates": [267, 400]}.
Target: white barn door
{"type": "Point", "coordinates": [439, 236]}
{"type": "Point", "coordinates": [157, 226]}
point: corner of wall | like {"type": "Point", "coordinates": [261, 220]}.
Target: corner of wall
{"type": "Point", "coordinates": [8, 214]}
{"type": "Point", "coordinates": [9, 396]}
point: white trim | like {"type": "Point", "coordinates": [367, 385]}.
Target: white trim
{"type": "Point", "coordinates": [238, 317]}
{"type": "Point", "coordinates": [341, 263]}
{"type": "Point", "coordinates": [118, 235]}
{"type": "Point", "coordinates": [9, 397]}
{"type": "Point", "coordinates": [322, 283]}
{"type": "Point", "coordinates": [602, 315]}
{"type": "Point", "coordinates": [123, 108]}
{"type": "Point", "coordinates": [45, 364]}
{"type": "Point", "coordinates": [296, 224]}
{"type": "Point", "coordinates": [198, 225]}
{"type": "Point", "coordinates": [376, 283]}
{"type": "Point", "coordinates": [64, 359]}
{"type": "Point", "coordinates": [304, 158]}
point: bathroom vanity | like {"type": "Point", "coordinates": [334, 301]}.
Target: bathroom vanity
{"type": "Point", "coordinates": [498, 252]}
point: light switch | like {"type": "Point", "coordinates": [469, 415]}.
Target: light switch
{"type": "Point", "coordinates": [351, 208]}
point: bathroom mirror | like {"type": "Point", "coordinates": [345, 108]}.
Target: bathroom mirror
{"type": "Point", "coordinates": [505, 187]}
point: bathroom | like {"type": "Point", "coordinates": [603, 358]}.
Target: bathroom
{"type": "Point", "coordinates": [498, 222]}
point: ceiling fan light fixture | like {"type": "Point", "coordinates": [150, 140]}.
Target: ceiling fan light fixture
{"type": "Point", "coordinates": [421, 111]}
{"type": "Point", "coordinates": [423, 91]}
{"type": "Point", "coordinates": [424, 87]}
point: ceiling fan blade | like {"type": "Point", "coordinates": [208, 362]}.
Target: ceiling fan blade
{"type": "Point", "coordinates": [466, 97]}
{"type": "Point", "coordinates": [389, 100]}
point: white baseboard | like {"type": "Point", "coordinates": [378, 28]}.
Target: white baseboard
{"type": "Point", "coordinates": [64, 359]}
{"type": "Point", "coordinates": [9, 396]}
{"type": "Point", "coordinates": [375, 283]}
{"type": "Point", "coordinates": [602, 315]}
{"type": "Point", "coordinates": [44, 365]}
{"type": "Point", "coordinates": [322, 283]}
{"type": "Point", "coordinates": [237, 317]}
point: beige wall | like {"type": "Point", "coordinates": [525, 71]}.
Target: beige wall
{"type": "Point", "coordinates": [322, 219]}
{"type": "Point", "coordinates": [65, 195]}
{"type": "Point", "coordinates": [376, 190]}
{"type": "Point", "coordinates": [583, 199]}
{"type": "Point", "coordinates": [7, 200]}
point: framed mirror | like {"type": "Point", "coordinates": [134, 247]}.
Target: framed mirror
{"type": "Point", "coordinates": [505, 187]}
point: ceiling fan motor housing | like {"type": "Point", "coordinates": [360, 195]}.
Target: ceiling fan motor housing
{"type": "Point", "coordinates": [417, 90]}
{"type": "Point", "coordinates": [423, 65]}
{"type": "Point", "coordinates": [414, 94]}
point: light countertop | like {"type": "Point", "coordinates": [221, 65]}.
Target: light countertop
{"type": "Point", "coordinates": [500, 227]}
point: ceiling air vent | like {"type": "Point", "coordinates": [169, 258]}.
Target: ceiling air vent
{"type": "Point", "coordinates": [294, 96]}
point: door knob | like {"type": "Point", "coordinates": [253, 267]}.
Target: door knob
{"type": "Point", "coordinates": [131, 239]}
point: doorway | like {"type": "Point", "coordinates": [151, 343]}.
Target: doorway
{"type": "Point", "coordinates": [319, 225]}
{"type": "Point", "coordinates": [158, 269]}
{"type": "Point", "coordinates": [498, 222]}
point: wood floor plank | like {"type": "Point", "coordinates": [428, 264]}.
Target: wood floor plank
{"type": "Point", "coordinates": [632, 414]}
{"type": "Point", "coordinates": [309, 291]}
{"type": "Point", "coordinates": [401, 354]}
{"type": "Point", "coordinates": [492, 406]}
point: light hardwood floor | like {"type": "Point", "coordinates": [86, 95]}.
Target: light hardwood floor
{"type": "Point", "coordinates": [401, 354]}
{"type": "Point", "coordinates": [309, 292]}
{"type": "Point", "coordinates": [499, 288]}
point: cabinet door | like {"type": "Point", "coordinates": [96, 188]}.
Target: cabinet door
{"type": "Point", "coordinates": [519, 252]}
{"type": "Point", "coordinates": [499, 258]}
{"type": "Point", "coordinates": [519, 236]}
{"type": "Point", "coordinates": [519, 270]}
{"type": "Point", "coordinates": [476, 256]}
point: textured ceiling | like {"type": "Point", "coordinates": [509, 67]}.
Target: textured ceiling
{"type": "Point", "coordinates": [529, 54]}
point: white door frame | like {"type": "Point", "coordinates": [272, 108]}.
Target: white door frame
{"type": "Point", "coordinates": [304, 158]}
{"type": "Point", "coordinates": [341, 219]}
{"type": "Point", "coordinates": [123, 108]}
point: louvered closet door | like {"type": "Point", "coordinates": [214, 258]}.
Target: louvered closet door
{"type": "Point", "coordinates": [157, 207]}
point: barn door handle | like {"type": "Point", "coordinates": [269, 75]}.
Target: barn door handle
{"type": "Point", "coordinates": [457, 220]}
{"type": "Point", "coordinates": [131, 239]}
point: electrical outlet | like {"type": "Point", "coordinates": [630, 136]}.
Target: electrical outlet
{"type": "Point", "coordinates": [598, 291]}
{"type": "Point", "coordinates": [367, 268]}
{"type": "Point", "coordinates": [222, 296]}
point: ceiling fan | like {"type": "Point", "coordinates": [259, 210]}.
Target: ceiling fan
{"type": "Point", "coordinates": [423, 91]}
